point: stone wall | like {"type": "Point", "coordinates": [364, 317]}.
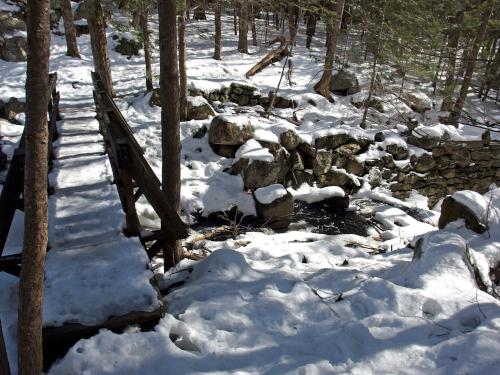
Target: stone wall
{"type": "Point", "coordinates": [450, 166]}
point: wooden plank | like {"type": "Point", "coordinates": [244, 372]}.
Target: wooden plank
{"type": "Point", "coordinates": [58, 340]}
{"type": "Point", "coordinates": [12, 190]}
{"type": "Point", "coordinates": [4, 359]}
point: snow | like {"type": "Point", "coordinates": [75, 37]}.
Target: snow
{"type": "Point", "coordinates": [311, 194]}
{"type": "Point", "coordinates": [474, 202]}
{"type": "Point", "coordinates": [197, 101]}
{"type": "Point", "coordinates": [262, 303]}
{"type": "Point", "coordinates": [268, 194]}
{"type": "Point", "coordinates": [252, 150]}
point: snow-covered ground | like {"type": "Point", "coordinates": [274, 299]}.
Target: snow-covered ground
{"type": "Point", "coordinates": [263, 303]}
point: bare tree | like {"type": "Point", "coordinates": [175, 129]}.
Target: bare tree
{"type": "Point", "coordinates": [323, 85]}
{"type": "Point", "coordinates": [170, 123]}
{"type": "Point", "coordinates": [243, 34]}
{"type": "Point", "coordinates": [182, 61]}
{"type": "Point", "coordinates": [471, 63]}
{"type": "Point", "coordinates": [99, 44]}
{"type": "Point", "coordinates": [147, 45]}
{"type": "Point", "coordinates": [218, 29]}
{"type": "Point", "coordinates": [69, 29]}
{"type": "Point", "coordinates": [30, 357]}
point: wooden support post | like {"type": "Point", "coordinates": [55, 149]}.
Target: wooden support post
{"type": "Point", "coordinates": [4, 359]}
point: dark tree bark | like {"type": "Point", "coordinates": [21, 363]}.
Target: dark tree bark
{"type": "Point", "coordinates": [218, 30]}
{"type": "Point", "coordinates": [243, 34]}
{"type": "Point", "coordinates": [4, 359]}
{"type": "Point", "coordinates": [471, 63]}
{"type": "Point", "coordinates": [235, 21]}
{"type": "Point", "coordinates": [69, 29]}
{"type": "Point", "coordinates": [323, 85]}
{"type": "Point", "coordinates": [199, 11]}
{"type": "Point", "coordinates": [99, 44]}
{"type": "Point", "coordinates": [451, 51]}
{"type": "Point", "coordinates": [29, 329]}
{"type": "Point", "coordinates": [147, 47]}
{"type": "Point", "coordinates": [254, 29]}
{"type": "Point", "coordinates": [292, 27]}
{"type": "Point", "coordinates": [170, 125]}
{"type": "Point", "coordinates": [493, 61]}
{"type": "Point", "coordinates": [311, 28]}
{"type": "Point", "coordinates": [182, 62]}
{"type": "Point", "coordinates": [136, 19]}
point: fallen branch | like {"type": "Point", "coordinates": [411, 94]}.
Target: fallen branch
{"type": "Point", "coordinates": [274, 56]}
{"type": "Point", "coordinates": [266, 114]}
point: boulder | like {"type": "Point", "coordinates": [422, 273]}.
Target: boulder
{"type": "Point", "coordinates": [344, 83]}
{"type": "Point", "coordinates": [296, 161]}
{"type": "Point", "coordinates": [417, 101]}
{"type": "Point", "coordinates": [452, 209]}
{"type": "Point", "coordinates": [307, 150]}
{"type": "Point", "coordinates": [424, 163]}
{"type": "Point", "coordinates": [322, 162]}
{"type": "Point", "coordinates": [262, 173]}
{"type": "Point", "coordinates": [338, 177]}
{"type": "Point", "coordinates": [375, 103]}
{"type": "Point", "coordinates": [11, 22]}
{"type": "Point", "coordinates": [82, 11]}
{"type": "Point", "coordinates": [354, 166]}
{"type": "Point", "coordinates": [229, 130]}
{"type": "Point", "coordinates": [198, 108]}
{"type": "Point", "coordinates": [10, 109]}
{"type": "Point", "coordinates": [331, 141]}
{"type": "Point", "coordinates": [14, 49]}
{"type": "Point", "coordinates": [274, 206]}
{"type": "Point", "coordinates": [126, 45]}
{"type": "Point", "coordinates": [398, 151]}
{"type": "Point", "coordinates": [348, 149]}
{"type": "Point", "coordinates": [297, 178]}
{"type": "Point", "coordinates": [290, 140]}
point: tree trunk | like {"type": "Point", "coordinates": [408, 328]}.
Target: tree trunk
{"type": "Point", "coordinates": [254, 29]}
{"type": "Point", "coordinates": [4, 359]}
{"type": "Point", "coordinates": [493, 73]}
{"type": "Point", "coordinates": [99, 44]}
{"type": "Point", "coordinates": [243, 35]}
{"type": "Point", "coordinates": [170, 126]}
{"type": "Point", "coordinates": [29, 333]}
{"type": "Point", "coordinates": [218, 30]}
{"type": "Point", "coordinates": [489, 65]}
{"type": "Point", "coordinates": [374, 69]}
{"type": "Point", "coordinates": [182, 62]}
{"type": "Point", "coordinates": [147, 47]}
{"type": "Point", "coordinates": [465, 57]}
{"type": "Point", "coordinates": [323, 85]}
{"type": "Point", "coordinates": [471, 63]}
{"type": "Point", "coordinates": [311, 28]}
{"type": "Point", "coordinates": [199, 11]}
{"type": "Point", "coordinates": [69, 29]}
{"type": "Point", "coordinates": [292, 27]}
{"type": "Point", "coordinates": [438, 68]}
{"type": "Point", "coordinates": [235, 21]}
{"type": "Point", "coordinates": [136, 19]}
{"type": "Point", "coordinates": [451, 51]}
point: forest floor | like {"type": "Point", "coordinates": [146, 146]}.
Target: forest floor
{"type": "Point", "coordinates": [296, 302]}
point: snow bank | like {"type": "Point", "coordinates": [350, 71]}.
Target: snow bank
{"type": "Point", "coordinates": [252, 150]}
{"type": "Point", "coordinates": [312, 194]}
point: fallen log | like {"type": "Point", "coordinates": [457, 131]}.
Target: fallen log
{"type": "Point", "coordinates": [274, 56]}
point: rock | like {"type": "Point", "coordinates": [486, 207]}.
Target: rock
{"type": "Point", "coordinates": [198, 108]}
{"type": "Point", "coordinates": [82, 29]}
{"type": "Point", "coordinates": [348, 149]}
{"type": "Point", "coordinates": [155, 98]}
{"type": "Point", "coordinates": [417, 101]}
{"type": "Point", "coordinates": [274, 206]}
{"type": "Point", "coordinates": [55, 17]}
{"type": "Point", "coordinates": [239, 88]}
{"type": "Point", "coordinates": [375, 103]}
{"type": "Point", "coordinates": [262, 173]}
{"type": "Point", "coordinates": [337, 177]}
{"type": "Point", "coordinates": [344, 83]}
{"type": "Point", "coordinates": [424, 163]}
{"type": "Point", "coordinates": [127, 46]}
{"type": "Point", "coordinates": [452, 210]}
{"type": "Point", "coordinates": [462, 158]}
{"type": "Point", "coordinates": [14, 49]}
{"type": "Point", "coordinates": [354, 166]}
{"type": "Point", "coordinates": [290, 140]}
{"type": "Point", "coordinates": [11, 22]}
{"type": "Point", "coordinates": [10, 109]}
{"type": "Point", "coordinates": [307, 150]}
{"type": "Point", "coordinates": [227, 133]}
{"type": "Point", "coordinates": [322, 162]}
{"type": "Point", "coordinates": [82, 11]}
{"type": "Point", "coordinates": [379, 137]}
{"type": "Point", "coordinates": [296, 161]}
{"type": "Point", "coordinates": [331, 141]}
{"type": "Point", "coordinates": [200, 132]}
{"type": "Point", "coordinates": [298, 178]}
{"type": "Point", "coordinates": [398, 151]}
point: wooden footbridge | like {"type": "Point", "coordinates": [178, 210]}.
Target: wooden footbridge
{"type": "Point", "coordinates": [86, 222]}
